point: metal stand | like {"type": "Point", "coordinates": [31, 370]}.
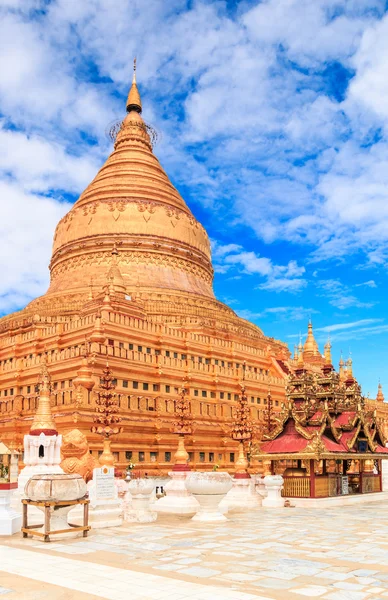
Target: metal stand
{"type": "Point", "coordinates": [30, 529]}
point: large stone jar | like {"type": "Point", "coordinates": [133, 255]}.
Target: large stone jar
{"type": "Point", "coordinates": [56, 488]}
{"type": "Point", "coordinates": [139, 509]}
{"type": "Point", "coordinates": [209, 489]}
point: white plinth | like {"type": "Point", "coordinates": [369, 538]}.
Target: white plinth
{"type": "Point", "coordinates": [260, 485]}
{"type": "Point", "coordinates": [48, 464]}
{"type": "Point", "coordinates": [209, 507]}
{"type": "Point", "coordinates": [140, 509]}
{"type": "Point", "coordinates": [105, 508]}
{"type": "Point", "coordinates": [177, 500]}
{"type": "Point", "coordinates": [10, 520]}
{"type": "Point", "coordinates": [241, 497]}
{"type": "Point", "coordinates": [58, 522]}
{"type": "Point", "coordinates": [273, 486]}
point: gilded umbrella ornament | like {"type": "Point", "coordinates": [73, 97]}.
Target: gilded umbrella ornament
{"type": "Point", "coordinates": [106, 418]}
{"type": "Point", "coordinates": [242, 432]}
{"type": "Point", "coordinates": [182, 426]}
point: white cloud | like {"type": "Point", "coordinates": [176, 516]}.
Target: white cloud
{"type": "Point", "coordinates": [352, 325]}
{"type": "Point", "coordinates": [370, 86]}
{"type": "Point", "coordinates": [43, 165]}
{"type": "Point", "coordinates": [278, 278]}
{"type": "Point", "coordinates": [340, 296]}
{"type": "Point", "coordinates": [26, 228]}
{"type": "Point", "coordinates": [311, 31]}
{"type": "Point", "coordinates": [371, 283]}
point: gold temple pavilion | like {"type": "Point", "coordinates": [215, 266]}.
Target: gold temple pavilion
{"type": "Point", "coordinates": [326, 441]}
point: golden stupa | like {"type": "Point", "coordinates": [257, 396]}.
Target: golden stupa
{"type": "Point", "coordinates": [132, 205]}
{"type": "Point", "coordinates": [131, 283]}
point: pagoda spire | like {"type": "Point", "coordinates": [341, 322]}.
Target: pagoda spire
{"type": "Point", "coordinates": [349, 367]}
{"type": "Point", "coordinates": [327, 352]}
{"type": "Point", "coordinates": [380, 395]}
{"type": "Point", "coordinates": [43, 420]}
{"type": "Point", "coordinates": [310, 346]}
{"type": "Point", "coordinates": [134, 100]}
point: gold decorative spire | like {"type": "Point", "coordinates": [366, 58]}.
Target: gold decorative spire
{"type": "Point", "coordinates": [327, 352]}
{"type": "Point", "coordinates": [300, 359]}
{"type": "Point", "coordinates": [98, 333]}
{"type": "Point", "coordinates": [310, 346]}
{"type": "Point", "coordinates": [380, 395]}
{"type": "Point", "coordinates": [349, 367]}
{"type": "Point", "coordinates": [341, 368]}
{"type": "Point", "coordinates": [134, 100]}
{"type": "Point", "coordinates": [43, 420]}
{"type": "Point", "coordinates": [114, 273]}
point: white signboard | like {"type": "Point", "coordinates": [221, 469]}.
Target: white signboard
{"type": "Point", "coordinates": [345, 485]}
{"type": "Point", "coordinates": [104, 480]}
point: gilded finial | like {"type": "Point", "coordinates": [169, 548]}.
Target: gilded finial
{"type": "Point", "coordinates": [349, 367]}
{"type": "Point", "coordinates": [327, 351]}
{"type": "Point", "coordinates": [133, 100]}
{"type": "Point", "coordinates": [310, 346]}
{"type": "Point", "coordinates": [380, 395]}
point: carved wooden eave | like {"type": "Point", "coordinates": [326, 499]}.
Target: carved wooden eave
{"type": "Point", "coordinates": [298, 418]}
{"type": "Point", "coordinates": [302, 431]}
{"type": "Point", "coordinates": [336, 433]}
{"type": "Point", "coordinates": [281, 421]}
{"type": "Point", "coordinates": [351, 422]}
{"type": "Point", "coordinates": [315, 446]}
{"type": "Point", "coordinates": [350, 443]}
{"type": "Point", "coordinates": [380, 431]}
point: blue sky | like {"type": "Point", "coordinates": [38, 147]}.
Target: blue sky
{"type": "Point", "coordinates": [273, 122]}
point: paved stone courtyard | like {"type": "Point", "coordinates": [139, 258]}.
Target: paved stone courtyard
{"type": "Point", "coordinates": [337, 553]}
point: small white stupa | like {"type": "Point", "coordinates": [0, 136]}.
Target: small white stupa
{"type": "Point", "coordinates": [42, 446]}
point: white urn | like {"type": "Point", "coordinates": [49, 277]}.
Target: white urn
{"type": "Point", "coordinates": [209, 489]}
{"type": "Point", "coordinates": [57, 487]}
{"type": "Point", "coordinates": [139, 510]}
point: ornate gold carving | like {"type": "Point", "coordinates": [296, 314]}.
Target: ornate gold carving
{"type": "Point", "coordinates": [90, 209]}
{"type": "Point", "coordinates": [75, 455]}
{"type": "Point", "coordinates": [86, 260]}
{"type": "Point", "coordinates": [315, 446]}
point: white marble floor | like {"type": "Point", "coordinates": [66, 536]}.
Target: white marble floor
{"type": "Point", "coordinates": [337, 553]}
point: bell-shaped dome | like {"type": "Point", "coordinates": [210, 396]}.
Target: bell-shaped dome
{"type": "Point", "coordinates": [131, 205]}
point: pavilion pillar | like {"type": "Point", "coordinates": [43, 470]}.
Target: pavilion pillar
{"type": "Point", "coordinates": [380, 468]}
{"type": "Point", "coordinates": [312, 479]}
